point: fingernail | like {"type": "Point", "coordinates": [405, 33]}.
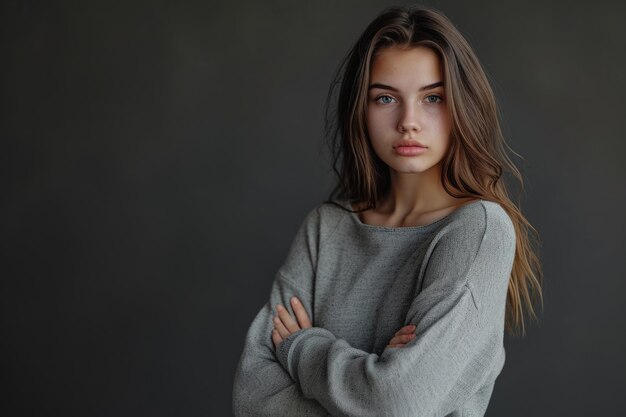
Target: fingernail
{"type": "Point", "coordinates": [294, 300]}
{"type": "Point", "coordinates": [279, 307]}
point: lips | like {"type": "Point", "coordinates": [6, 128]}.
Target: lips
{"type": "Point", "coordinates": [408, 143]}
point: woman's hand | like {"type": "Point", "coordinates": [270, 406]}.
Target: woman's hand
{"type": "Point", "coordinates": [402, 336]}
{"type": "Point", "coordinates": [284, 325]}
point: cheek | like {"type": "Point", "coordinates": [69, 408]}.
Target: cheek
{"type": "Point", "coordinates": [376, 131]}
{"type": "Point", "coordinates": [438, 116]}
{"type": "Point", "coordinates": [442, 127]}
{"type": "Point", "coordinates": [446, 120]}
{"type": "Point", "coordinates": [377, 122]}
{"type": "Point", "coordinates": [445, 142]}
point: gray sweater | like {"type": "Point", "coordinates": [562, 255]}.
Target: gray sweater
{"type": "Point", "coordinates": [360, 284]}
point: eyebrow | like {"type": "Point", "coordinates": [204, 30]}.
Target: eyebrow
{"type": "Point", "coordinates": [388, 87]}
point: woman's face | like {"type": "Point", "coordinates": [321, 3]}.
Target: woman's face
{"type": "Point", "coordinates": [406, 106]}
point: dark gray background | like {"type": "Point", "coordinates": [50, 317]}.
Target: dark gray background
{"type": "Point", "coordinates": [158, 157]}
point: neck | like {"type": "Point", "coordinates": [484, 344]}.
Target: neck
{"type": "Point", "coordinates": [416, 193]}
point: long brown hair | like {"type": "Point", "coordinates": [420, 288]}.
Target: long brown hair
{"type": "Point", "coordinates": [476, 160]}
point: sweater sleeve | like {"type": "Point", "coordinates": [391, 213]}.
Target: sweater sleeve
{"type": "Point", "coordinates": [261, 385]}
{"type": "Point", "coordinates": [459, 318]}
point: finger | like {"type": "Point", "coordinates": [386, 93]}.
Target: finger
{"type": "Point", "coordinates": [282, 330]}
{"type": "Point", "coordinates": [286, 318]}
{"type": "Point", "coordinates": [300, 312]}
{"type": "Point", "coordinates": [406, 338]}
{"type": "Point", "coordinates": [397, 344]}
{"type": "Point", "coordinates": [403, 338]}
{"type": "Point", "coordinates": [276, 338]}
{"type": "Point", "coordinates": [406, 329]}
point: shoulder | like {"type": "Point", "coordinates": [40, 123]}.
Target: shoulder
{"type": "Point", "coordinates": [481, 218]}
{"type": "Point", "coordinates": [477, 232]}
{"type": "Point", "coordinates": [483, 225]}
{"type": "Point", "coordinates": [321, 220]}
{"type": "Point", "coordinates": [497, 220]}
{"type": "Point", "coordinates": [499, 238]}
{"type": "Point", "coordinates": [326, 214]}
{"type": "Point", "coordinates": [489, 271]}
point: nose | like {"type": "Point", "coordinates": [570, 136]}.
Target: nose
{"type": "Point", "coordinates": [409, 119]}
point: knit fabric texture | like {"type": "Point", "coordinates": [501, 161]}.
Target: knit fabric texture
{"type": "Point", "coordinates": [361, 283]}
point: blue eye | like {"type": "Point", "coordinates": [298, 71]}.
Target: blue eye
{"type": "Point", "coordinates": [385, 99]}
{"type": "Point", "coordinates": [436, 97]}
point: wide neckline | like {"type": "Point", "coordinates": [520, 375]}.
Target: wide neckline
{"type": "Point", "coordinates": [358, 221]}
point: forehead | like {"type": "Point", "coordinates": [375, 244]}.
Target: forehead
{"type": "Point", "coordinates": [416, 63]}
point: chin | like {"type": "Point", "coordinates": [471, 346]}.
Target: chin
{"type": "Point", "coordinates": [407, 166]}
{"type": "Point", "coordinates": [409, 171]}
{"type": "Point", "coordinates": [410, 167]}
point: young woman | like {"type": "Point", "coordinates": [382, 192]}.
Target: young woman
{"type": "Point", "coordinates": [395, 294]}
